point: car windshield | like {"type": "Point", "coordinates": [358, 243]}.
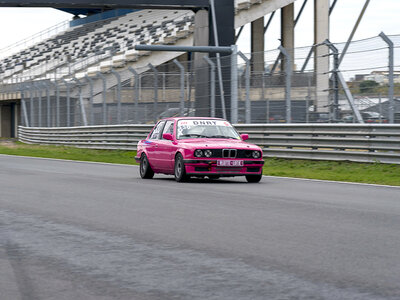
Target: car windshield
{"type": "Point", "coordinates": [203, 128]}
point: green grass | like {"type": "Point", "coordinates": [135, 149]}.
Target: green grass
{"type": "Point", "coordinates": [71, 153]}
{"type": "Point", "coordinates": [377, 173]}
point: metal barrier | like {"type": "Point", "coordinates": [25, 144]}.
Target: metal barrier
{"type": "Point", "coordinates": [352, 142]}
{"type": "Point", "coordinates": [122, 137]}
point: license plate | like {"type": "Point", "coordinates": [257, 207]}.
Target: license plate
{"type": "Point", "coordinates": [229, 163]}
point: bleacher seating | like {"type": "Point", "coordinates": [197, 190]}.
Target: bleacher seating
{"type": "Point", "coordinates": [86, 48]}
{"type": "Point", "coordinates": [101, 39]}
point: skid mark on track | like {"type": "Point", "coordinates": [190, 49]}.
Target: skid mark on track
{"type": "Point", "coordinates": [168, 271]}
{"type": "Point", "coordinates": [23, 281]}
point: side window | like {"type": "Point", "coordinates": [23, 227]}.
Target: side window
{"type": "Point", "coordinates": [155, 134]}
{"type": "Point", "coordinates": [169, 127]}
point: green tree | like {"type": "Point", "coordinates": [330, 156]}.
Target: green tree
{"type": "Point", "coordinates": [368, 86]}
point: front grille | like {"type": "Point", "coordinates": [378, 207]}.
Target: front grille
{"type": "Point", "coordinates": [253, 169]}
{"type": "Point", "coordinates": [229, 153]}
{"type": "Point", "coordinates": [240, 153]}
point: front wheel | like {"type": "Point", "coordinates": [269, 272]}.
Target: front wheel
{"type": "Point", "coordinates": [180, 171]}
{"type": "Point", "coordinates": [145, 170]}
{"type": "Point", "coordinates": [253, 178]}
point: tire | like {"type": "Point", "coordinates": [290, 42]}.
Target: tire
{"type": "Point", "coordinates": [179, 169]}
{"type": "Point", "coordinates": [253, 178]}
{"type": "Point", "coordinates": [145, 170]}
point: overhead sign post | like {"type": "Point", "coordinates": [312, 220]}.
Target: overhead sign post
{"type": "Point", "coordinates": [207, 49]}
{"type": "Point", "coordinates": [108, 4]}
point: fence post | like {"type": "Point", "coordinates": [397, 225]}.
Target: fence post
{"type": "Point", "coordinates": [104, 95]}
{"type": "Point", "coordinates": [182, 87]}
{"type": "Point", "coordinates": [46, 85]}
{"type": "Point", "coordinates": [116, 74]}
{"type": "Point", "coordinates": [20, 89]}
{"type": "Point", "coordinates": [308, 98]}
{"type": "Point", "coordinates": [335, 105]}
{"type": "Point", "coordinates": [91, 114]}
{"type": "Point", "coordinates": [339, 78]}
{"type": "Point", "coordinates": [31, 103]}
{"type": "Point", "coordinates": [391, 82]}
{"type": "Point", "coordinates": [25, 113]}
{"type": "Point", "coordinates": [23, 106]}
{"type": "Point", "coordinates": [136, 75]}
{"type": "Point", "coordinates": [67, 84]}
{"type": "Point", "coordinates": [234, 85]}
{"type": "Point", "coordinates": [83, 112]}
{"type": "Point", "coordinates": [163, 86]}
{"type": "Point", "coordinates": [39, 94]}
{"type": "Point", "coordinates": [155, 107]}
{"type": "Point", "coordinates": [57, 90]}
{"type": "Point", "coordinates": [212, 82]}
{"type": "Point", "coordinates": [350, 98]}
{"type": "Point", "coordinates": [288, 83]}
{"type": "Point", "coordinates": [247, 76]}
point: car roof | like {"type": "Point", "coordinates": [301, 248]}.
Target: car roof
{"type": "Point", "coordinates": [192, 118]}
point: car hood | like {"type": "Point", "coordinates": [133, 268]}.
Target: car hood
{"type": "Point", "coordinates": [217, 143]}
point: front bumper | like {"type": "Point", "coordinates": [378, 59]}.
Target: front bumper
{"type": "Point", "coordinates": [204, 167]}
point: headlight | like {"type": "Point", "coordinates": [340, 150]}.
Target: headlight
{"type": "Point", "coordinates": [198, 153]}
{"type": "Point", "coordinates": [256, 154]}
{"type": "Point", "coordinates": [208, 153]}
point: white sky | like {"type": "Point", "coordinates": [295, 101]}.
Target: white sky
{"type": "Point", "coordinates": [17, 24]}
{"type": "Point", "coordinates": [381, 15]}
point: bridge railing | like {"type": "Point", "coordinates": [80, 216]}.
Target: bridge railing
{"type": "Point", "coordinates": [352, 142]}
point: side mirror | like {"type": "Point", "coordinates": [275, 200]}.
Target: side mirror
{"type": "Point", "coordinates": [244, 136]}
{"type": "Point", "coordinates": [167, 136]}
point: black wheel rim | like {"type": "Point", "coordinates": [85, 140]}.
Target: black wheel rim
{"type": "Point", "coordinates": [178, 168]}
{"type": "Point", "coordinates": [143, 167]}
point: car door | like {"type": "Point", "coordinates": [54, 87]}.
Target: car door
{"type": "Point", "coordinates": [166, 149]}
{"type": "Point", "coordinates": [152, 146]}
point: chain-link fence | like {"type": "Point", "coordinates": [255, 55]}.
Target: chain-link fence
{"type": "Point", "coordinates": [360, 83]}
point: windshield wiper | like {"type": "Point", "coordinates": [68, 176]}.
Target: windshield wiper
{"type": "Point", "coordinates": [222, 137]}
{"type": "Point", "coordinates": [193, 135]}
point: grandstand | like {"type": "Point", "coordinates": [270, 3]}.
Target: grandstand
{"type": "Point", "coordinates": [98, 47]}
{"type": "Point", "coordinates": [81, 47]}
{"type": "Point", "coordinates": [113, 40]}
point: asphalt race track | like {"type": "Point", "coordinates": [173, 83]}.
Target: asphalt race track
{"type": "Point", "coordinates": [72, 230]}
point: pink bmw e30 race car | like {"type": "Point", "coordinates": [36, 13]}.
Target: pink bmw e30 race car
{"type": "Point", "coordinates": [200, 147]}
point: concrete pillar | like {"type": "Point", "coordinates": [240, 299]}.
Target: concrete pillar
{"type": "Point", "coordinates": [225, 16]}
{"type": "Point", "coordinates": [287, 32]}
{"type": "Point", "coordinates": [321, 67]}
{"type": "Point", "coordinates": [201, 38]}
{"type": "Point", "coordinates": [16, 117]}
{"type": "Point", "coordinates": [257, 45]}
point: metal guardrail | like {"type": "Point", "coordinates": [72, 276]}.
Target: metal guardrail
{"type": "Point", "coordinates": [121, 137]}
{"type": "Point", "coordinates": [352, 142]}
